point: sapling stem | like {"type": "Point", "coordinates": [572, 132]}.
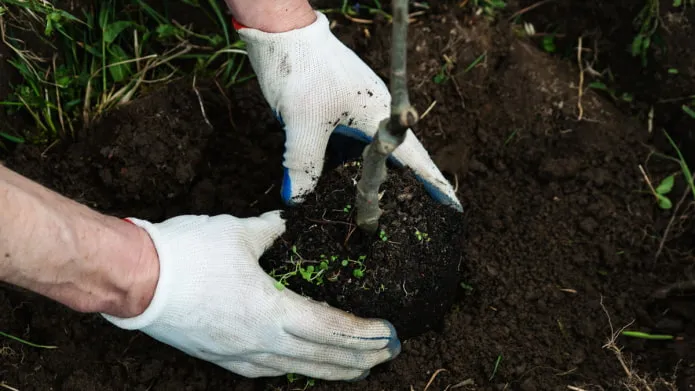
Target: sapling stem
{"type": "Point", "coordinates": [391, 131]}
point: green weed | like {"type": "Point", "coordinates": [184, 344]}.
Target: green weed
{"type": "Point", "coordinates": [647, 24]}
{"type": "Point", "coordinates": [104, 58]}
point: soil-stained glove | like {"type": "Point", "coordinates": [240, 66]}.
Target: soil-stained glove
{"type": "Point", "coordinates": [316, 85]}
{"type": "Point", "coordinates": [214, 302]}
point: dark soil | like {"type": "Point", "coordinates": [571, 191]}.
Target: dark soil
{"type": "Point", "coordinates": [560, 241]}
{"type": "Point", "coordinates": [408, 272]}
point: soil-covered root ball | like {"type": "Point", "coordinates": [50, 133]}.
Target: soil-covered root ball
{"type": "Point", "coordinates": [408, 273]}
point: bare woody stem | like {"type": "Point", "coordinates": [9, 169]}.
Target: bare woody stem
{"type": "Point", "coordinates": [392, 130]}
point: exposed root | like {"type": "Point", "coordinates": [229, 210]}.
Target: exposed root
{"type": "Point", "coordinates": [633, 381]}
{"type": "Point", "coordinates": [580, 87]}
{"type": "Point", "coordinates": [670, 223]}
{"type": "Point", "coordinates": [200, 102]}
{"type": "Point", "coordinates": [434, 376]}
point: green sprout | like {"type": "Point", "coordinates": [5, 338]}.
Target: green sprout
{"type": "Point", "coordinates": [291, 378]}
{"type": "Point", "coordinates": [639, 334]}
{"type": "Point", "coordinates": [382, 236]}
{"type": "Point", "coordinates": [662, 190]}
{"type": "Point", "coordinates": [422, 236]}
{"type": "Point", "coordinates": [347, 208]}
{"type": "Point", "coordinates": [358, 272]}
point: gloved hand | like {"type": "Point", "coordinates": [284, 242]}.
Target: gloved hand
{"type": "Point", "coordinates": [214, 302]}
{"type": "Point", "coordinates": [316, 85]}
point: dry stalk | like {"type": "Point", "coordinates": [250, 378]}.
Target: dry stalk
{"type": "Point", "coordinates": [633, 381]}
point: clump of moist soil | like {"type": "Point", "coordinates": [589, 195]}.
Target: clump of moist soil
{"type": "Point", "coordinates": [407, 273]}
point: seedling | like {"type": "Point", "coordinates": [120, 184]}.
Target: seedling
{"type": "Point", "coordinates": [382, 236]}
{"type": "Point", "coordinates": [662, 190]}
{"type": "Point", "coordinates": [291, 378]}
{"type": "Point", "coordinates": [422, 236]}
{"type": "Point", "coordinates": [347, 208]}
{"type": "Point", "coordinates": [358, 272]}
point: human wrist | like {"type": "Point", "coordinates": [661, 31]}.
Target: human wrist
{"type": "Point", "coordinates": [131, 267]}
{"type": "Point", "coordinates": [272, 16]}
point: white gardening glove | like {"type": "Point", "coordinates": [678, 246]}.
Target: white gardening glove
{"type": "Point", "coordinates": [213, 301]}
{"type": "Point", "coordinates": [316, 85]}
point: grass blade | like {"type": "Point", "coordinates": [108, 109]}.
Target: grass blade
{"type": "Point", "coordinates": [27, 342]}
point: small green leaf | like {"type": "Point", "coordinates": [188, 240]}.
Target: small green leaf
{"type": "Point", "coordinates": [673, 71]}
{"type": "Point", "coordinates": [677, 3]}
{"type": "Point", "coordinates": [122, 70]}
{"type": "Point", "coordinates": [666, 185]}
{"type": "Point", "coordinates": [598, 85]}
{"type": "Point", "coordinates": [112, 30]}
{"type": "Point", "coordinates": [664, 202]}
{"type": "Point", "coordinates": [549, 43]}
{"type": "Point", "coordinates": [637, 45]}
{"type": "Point", "coordinates": [439, 78]}
{"type": "Point", "coordinates": [358, 273]}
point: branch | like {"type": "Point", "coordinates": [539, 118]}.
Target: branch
{"type": "Point", "coordinates": [392, 130]}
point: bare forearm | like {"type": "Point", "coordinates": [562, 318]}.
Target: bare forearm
{"type": "Point", "coordinates": [68, 252]}
{"type": "Point", "coordinates": [272, 16]}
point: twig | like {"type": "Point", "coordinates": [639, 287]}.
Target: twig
{"type": "Point", "coordinates": [649, 182]}
{"type": "Point", "coordinates": [670, 223]}
{"type": "Point", "coordinates": [434, 375]}
{"type": "Point", "coordinates": [580, 88]}
{"type": "Point", "coordinates": [611, 342]}
{"type": "Point", "coordinates": [429, 108]}
{"type": "Point", "coordinates": [6, 386]}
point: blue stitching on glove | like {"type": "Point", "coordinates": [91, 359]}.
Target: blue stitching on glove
{"type": "Point", "coordinates": [353, 132]}
{"type": "Point", "coordinates": [286, 189]}
{"type": "Point", "coordinates": [437, 194]}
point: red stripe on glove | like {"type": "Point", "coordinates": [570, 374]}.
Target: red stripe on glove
{"type": "Point", "coordinates": [237, 25]}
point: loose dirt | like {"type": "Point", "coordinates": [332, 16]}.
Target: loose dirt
{"type": "Point", "coordinates": [559, 233]}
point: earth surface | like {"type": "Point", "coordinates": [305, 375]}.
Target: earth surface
{"type": "Point", "coordinates": [562, 244]}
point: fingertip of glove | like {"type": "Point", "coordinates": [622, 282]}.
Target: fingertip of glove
{"type": "Point", "coordinates": [440, 196]}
